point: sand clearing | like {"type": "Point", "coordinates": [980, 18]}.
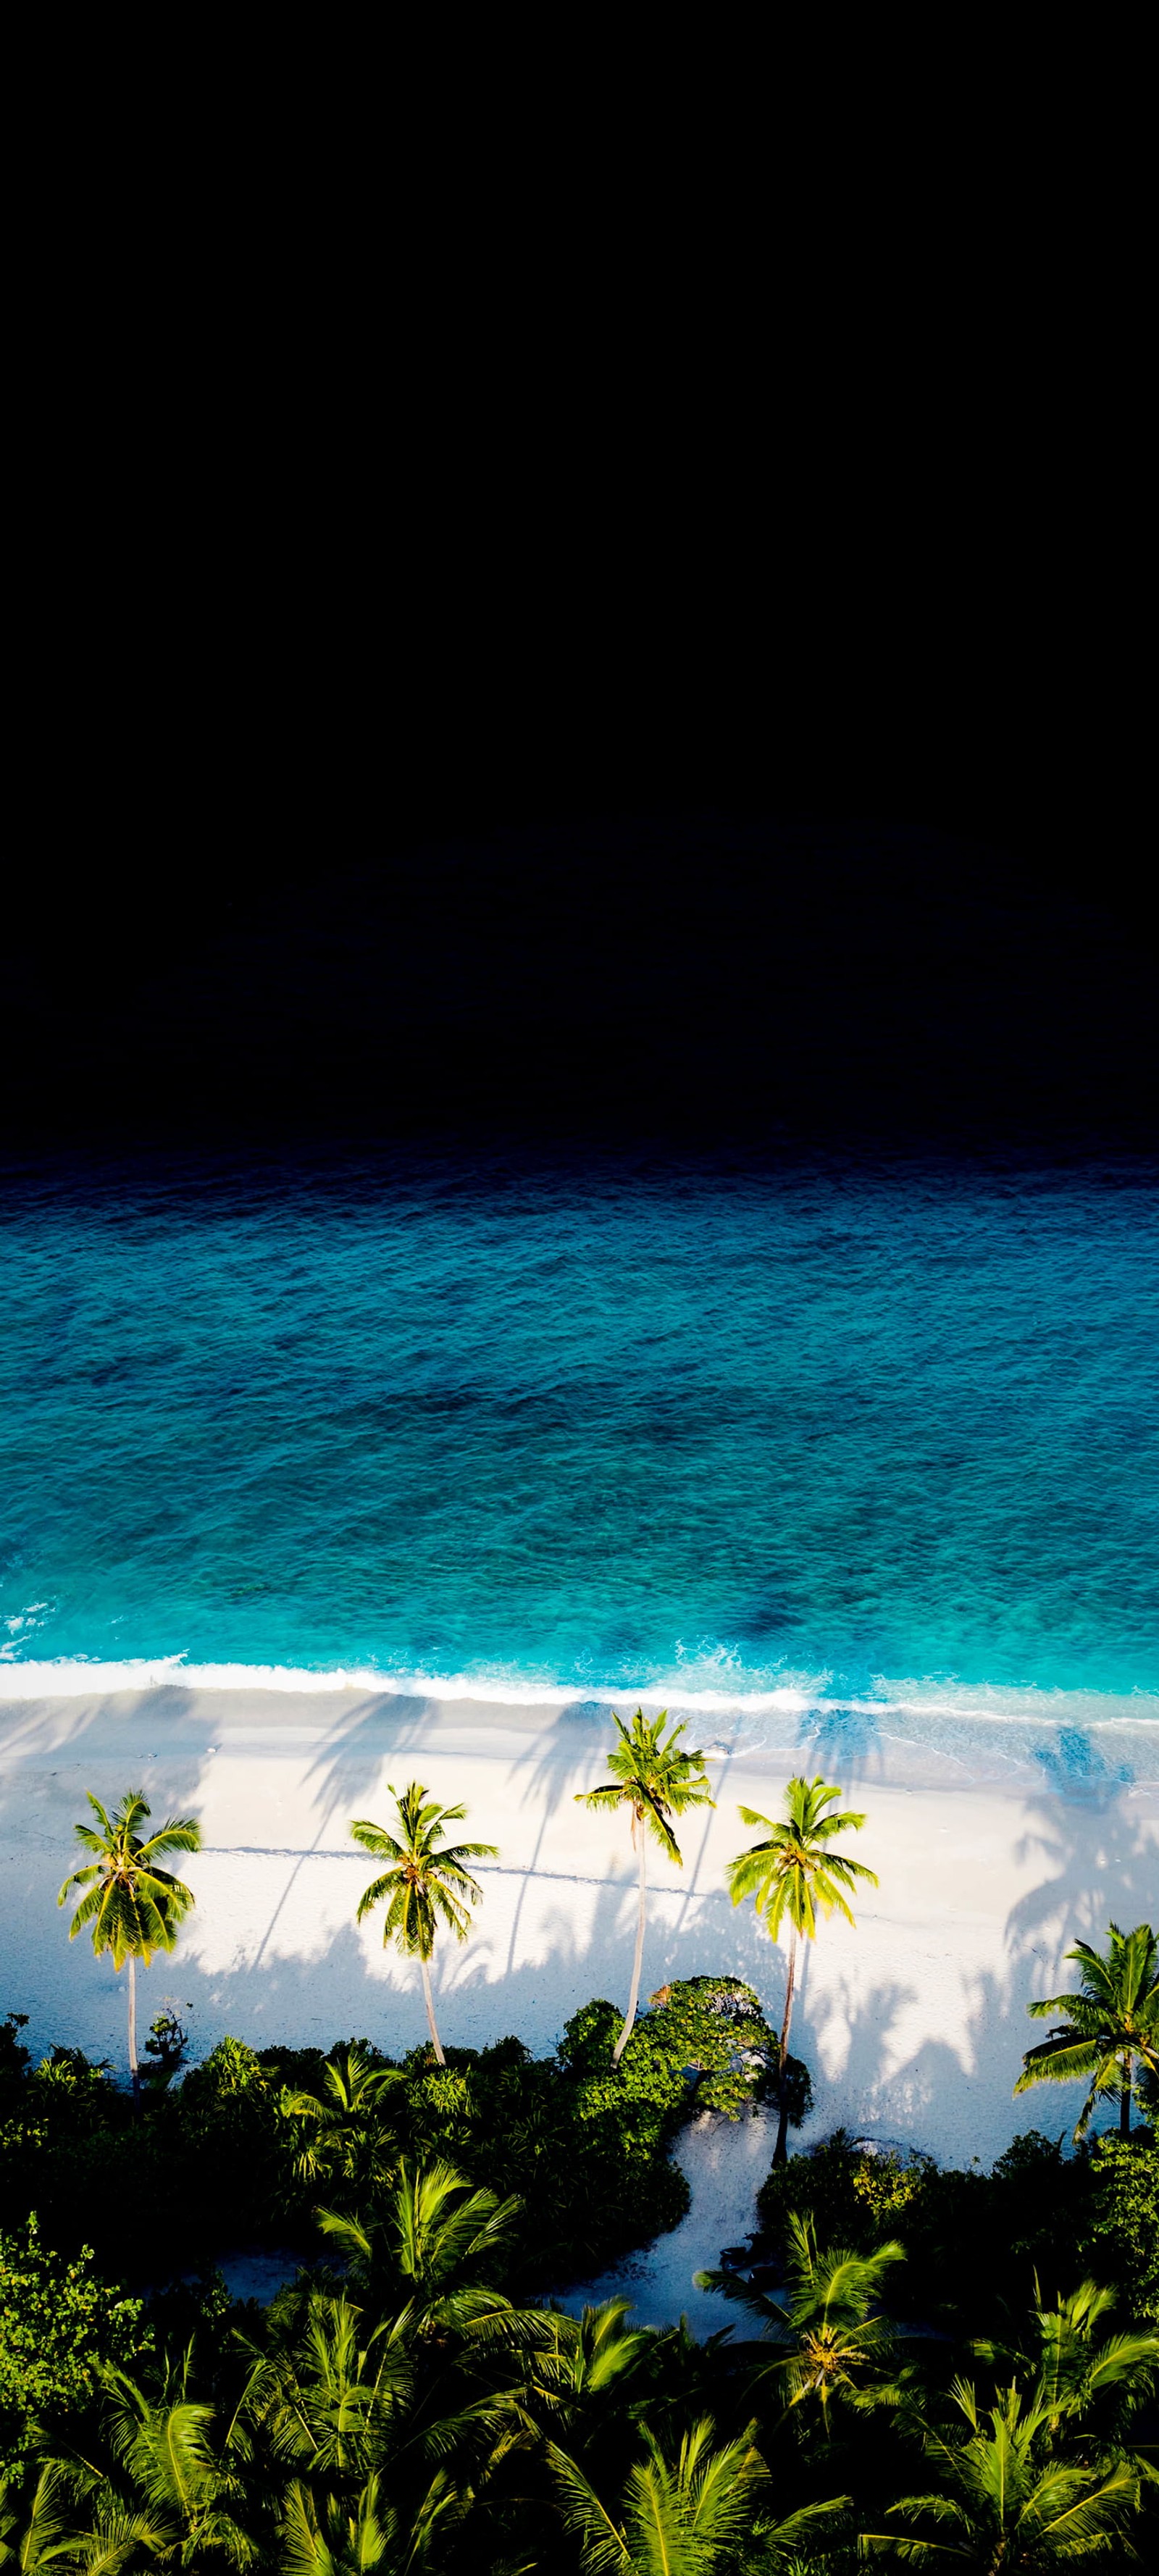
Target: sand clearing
{"type": "Point", "coordinates": [913, 2024]}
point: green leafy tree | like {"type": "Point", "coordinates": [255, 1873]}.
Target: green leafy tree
{"type": "Point", "coordinates": [59, 2326]}
{"type": "Point", "coordinates": [797, 1873]}
{"type": "Point", "coordinates": [1005, 2502]}
{"type": "Point", "coordinates": [1121, 2235]}
{"type": "Point", "coordinates": [129, 1903]}
{"type": "Point", "coordinates": [838, 2344]}
{"type": "Point", "coordinates": [655, 1780]}
{"type": "Point", "coordinates": [423, 1886]}
{"type": "Point", "coordinates": [1109, 2029]}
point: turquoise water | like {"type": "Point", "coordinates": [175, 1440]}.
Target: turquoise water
{"type": "Point", "coordinates": [849, 1431]}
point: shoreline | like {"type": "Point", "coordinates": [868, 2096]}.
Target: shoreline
{"type": "Point", "coordinates": [913, 2025]}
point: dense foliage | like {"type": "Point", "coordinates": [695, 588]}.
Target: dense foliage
{"type": "Point", "coordinates": [907, 2355]}
{"type": "Point", "coordinates": [221, 2158]}
{"type": "Point", "coordinates": [973, 2240]}
{"type": "Point", "coordinates": [59, 2324]}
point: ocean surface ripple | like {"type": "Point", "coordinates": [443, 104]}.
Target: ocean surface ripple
{"type": "Point", "coordinates": [861, 1438]}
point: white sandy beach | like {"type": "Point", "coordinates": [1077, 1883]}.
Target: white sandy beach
{"type": "Point", "coordinates": [913, 2024]}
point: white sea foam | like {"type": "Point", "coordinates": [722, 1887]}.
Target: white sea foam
{"type": "Point", "coordinates": [68, 1677]}
{"type": "Point", "coordinates": [797, 1695]}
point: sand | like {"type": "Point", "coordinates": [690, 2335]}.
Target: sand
{"type": "Point", "coordinates": [913, 2024]}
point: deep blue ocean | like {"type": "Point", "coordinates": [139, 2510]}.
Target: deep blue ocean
{"type": "Point", "coordinates": [874, 1434]}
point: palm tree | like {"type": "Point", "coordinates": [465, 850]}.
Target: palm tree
{"type": "Point", "coordinates": [163, 2447]}
{"type": "Point", "coordinates": [795, 1873]}
{"type": "Point", "coordinates": [110, 2538]}
{"type": "Point", "coordinates": [1112, 2024]}
{"type": "Point", "coordinates": [369, 2533]}
{"type": "Point", "coordinates": [837, 2344]}
{"type": "Point", "coordinates": [48, 2535]}
{"type": "Point", "coordinates": [422, 1882]}
{"type": "Point", "coordinates": [582, 2360]}
{"type": "Point", "coordinates": [344, 2135]}
{"type": "Point", "coordinates": [679, 2518]}
{"type": "Point", "coordinates": [1005, 2501]}
{"type": "Point", "coordinates": [654, 1780]}
{"type": "Point", "coordinates": [332, 2398]}
{"type": "Point", "coordinates": [153, 2484]}
{"type": "Point", "coordinates": [131, 1905]}
{"type": "Point", "coordinates": [429, 2240]}
{"type": "Point", "coordinates": [1088, 2385]}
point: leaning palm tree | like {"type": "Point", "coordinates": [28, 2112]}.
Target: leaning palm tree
{"type": "Point", "coordinates": [1109, 2028]}
{"type": "Point", "coordinates": [130, 1904]}
{"type": "Point", "coordinates": [422, 1883]}
{"type": "Point", "coordinates": [654, 1780]}
{"type": "Point", "coordinates": [796, 1873]}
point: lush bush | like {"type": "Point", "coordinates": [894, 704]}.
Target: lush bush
{"type": "Point", "coordinates": [974, 2239]}
{"type": "Point", "coordinates": [58, 2323]}
{"type": "Point", "coordinates": [1121, 2235]}
{"type": "Point", "coordinates": [587, 2145]}
{"type": "Point", "coordinates": [400, 2409]}
{"type": "Point", "coordinates": [214, 2159]}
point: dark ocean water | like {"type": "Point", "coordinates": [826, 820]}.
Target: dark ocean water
{"type": "Point", "coordinates": [883, 1434]}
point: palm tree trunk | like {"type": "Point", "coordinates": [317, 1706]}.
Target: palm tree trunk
{"type": "Point", "coordinates": [781, 2150]}
{"type": "Point", "coordinates": [435, 2040]}
{"type": "Point", "coordinates": [637, 1963]}
{"type": "Point", "coordinates": [1125, 2098]}
{"type": "Point", "coordinates": [134, 2070]}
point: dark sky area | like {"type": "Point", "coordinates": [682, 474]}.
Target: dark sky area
{"type": "Point", "coordinates": [714, 794]}
{"type": "Point", "coordinates": [633, 634]}
{"type": "Point", "coordinates": [587, 885]}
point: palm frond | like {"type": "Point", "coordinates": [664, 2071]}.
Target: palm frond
{"type": "Point", "coordinates": [605, 2550]}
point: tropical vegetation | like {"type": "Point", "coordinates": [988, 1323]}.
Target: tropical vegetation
{"type": "Point", "coordinates": [423, 1886]}
{"type": "Point", "coordinates": [128, 1903]}
{"type": "Point", "coordinates": [926, 2366]}
{"type": "Point", "coordinates": [655, 1779]}
{"type": "Point", "coordinates": [796, 1872]}
{"type": "Point", "coordinates": [1108, 2034]}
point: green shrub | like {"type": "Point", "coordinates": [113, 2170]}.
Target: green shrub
{"type": "Point", "coordinates": [58, 2323]}
{"type": "Point", "coordinates": [855, 2198]}
{"type": "Point", "coordinates": [15, 2059]}
{"type": "Point", "coordinates": [586, 2146]}
{"type": "Point", "coordinates": [1121, 2243]}
{"type": "Point", "coordinates": [970, 2238]}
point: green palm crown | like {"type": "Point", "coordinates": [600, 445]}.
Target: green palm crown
{"type": "Point", "coordinates": [653, 1777]}
{"type": "Point", "coordinates": [1104, 2029]}
{"type": "Point", "coordinates": [130, 1904]}
{"type": "Point", "coordinates": [795, 1872]}
{"type": "Point", "coordinates": [423, 1885]}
